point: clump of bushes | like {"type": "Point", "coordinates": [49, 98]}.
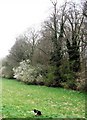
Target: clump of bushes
{"type": "Point", "coordinates": [6, 69]}
{"type": "Point", "coordinates": [49, 77]}
{"type": "Point", "coordinates": [67, 77]}
{"type": "Point", "coordinates": [28, 73]}
{"type": "Point", "coordinates": [6, 72]}
{"type": "Point", "coordinates": [51, 80]}
{"type": "Point", "coordinates": [44, 75]}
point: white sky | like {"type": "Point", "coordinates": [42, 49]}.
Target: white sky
{"type": "Point", "coordinates": [18, 15]}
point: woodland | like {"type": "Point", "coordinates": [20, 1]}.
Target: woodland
{"type": "Point", "coordinates": [56, 54]}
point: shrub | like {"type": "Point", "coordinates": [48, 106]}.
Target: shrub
{"type": "Point", "coordinates": [28, 73]}
{"type": "Point", "coordinates": [5, 68]}
{"type": "Point", "coordinates": [6, 72]}
{"type": "Point", "coordinates": [66, 79]}
{"type": "Point", "coordinates": [68, 76]}
{"type": "Point", "coordinates": [50, 78]}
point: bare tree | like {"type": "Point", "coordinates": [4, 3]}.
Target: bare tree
{"type": "Point", "coordinates": [19, 51]}
{"type": "Point", "coordinates": [85, 40]}
{"type": "Point", "coordinates": [56, 26]}
{"type": "Point", "coordinates": [73, 30]}
{"type": "Point", "coordinates": [85, 8]}
{"type": "Point", "coordinates": [32, 36]}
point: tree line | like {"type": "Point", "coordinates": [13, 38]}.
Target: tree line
{"type": "Point", "coordinates": [56, 54]}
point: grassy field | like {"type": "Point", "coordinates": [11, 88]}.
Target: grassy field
{"type": "Point", "coordinates": [19, 99]}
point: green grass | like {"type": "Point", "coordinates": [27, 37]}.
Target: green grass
{"type": "Point", "coordinates": [19, 99]}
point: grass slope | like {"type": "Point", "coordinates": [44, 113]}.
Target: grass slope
{"type": "Point", "coordinates": [19, 99]}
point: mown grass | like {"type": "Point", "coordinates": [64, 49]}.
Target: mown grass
{"type": "Point", "coordinates": [19, 99]}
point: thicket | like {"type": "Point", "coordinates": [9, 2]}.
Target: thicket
{"type": "Point", "coordinates": [29, 74]}
{"type": "Point", "coordinates": [53, 56]}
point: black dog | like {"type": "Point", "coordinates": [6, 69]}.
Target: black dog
{"type": "Point", "coordinates": [37, 112]}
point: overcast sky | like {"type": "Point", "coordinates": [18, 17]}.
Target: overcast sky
{"type": "Point", "coordinates": [18, 15]}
